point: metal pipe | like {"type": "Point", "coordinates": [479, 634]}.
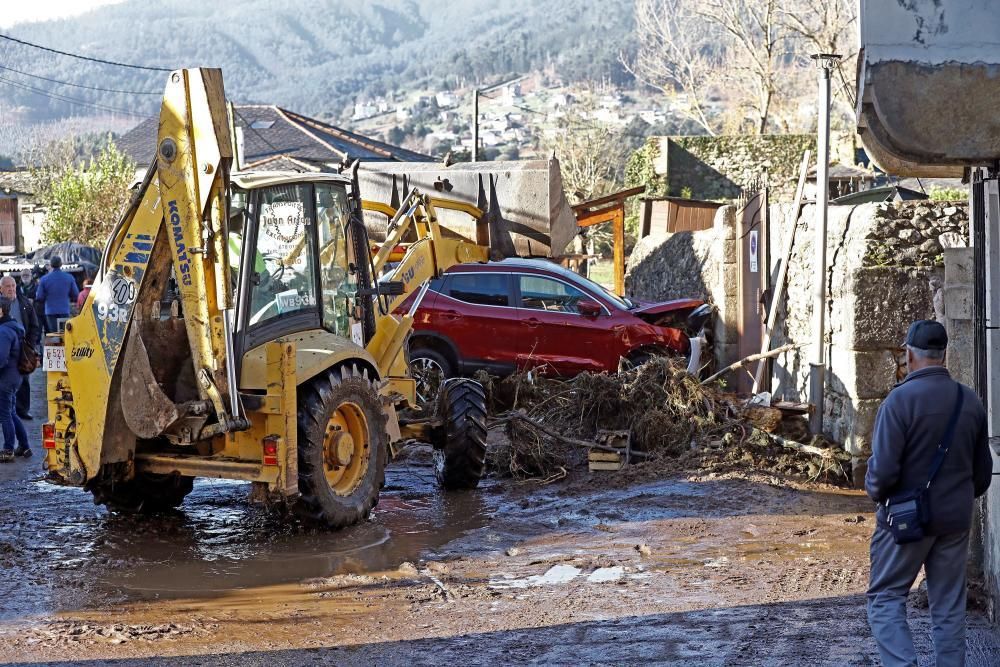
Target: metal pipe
{"type": "Point", "coordinates": [825, 62]}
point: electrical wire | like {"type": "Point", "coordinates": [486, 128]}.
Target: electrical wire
{"type": "Point", "coordinates": [76, 55]}
{"type": "Point", "coordinates": [77, 85]}
{"type": "Point", "coordinates": [71, 100]}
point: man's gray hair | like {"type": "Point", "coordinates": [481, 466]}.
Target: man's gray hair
{"type": "Point", "coordinates": [928, 355]}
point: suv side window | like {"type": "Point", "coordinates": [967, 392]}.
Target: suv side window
{"type": "Point", "coordinates": [484, 289]}
{"type": "Point", "coordinates": [541, 293]}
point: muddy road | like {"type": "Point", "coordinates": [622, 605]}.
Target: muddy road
{"type": "Point", "coordinates": [696, 568]}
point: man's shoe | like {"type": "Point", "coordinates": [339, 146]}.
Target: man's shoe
{"type": "Point", "coordinates": [23, 451]}
{"type": "Point", "coordinates": [6, 455]}
{"type": "Point", "coordinates": [25, 416]}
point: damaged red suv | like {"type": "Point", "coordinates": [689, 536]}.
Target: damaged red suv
{"type": "Point", "coordinates": [519, 313]}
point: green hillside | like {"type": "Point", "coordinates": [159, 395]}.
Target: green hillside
{"type": "Point", "coordinates": [316, 57]}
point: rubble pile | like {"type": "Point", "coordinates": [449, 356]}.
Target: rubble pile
{"type": "Point", "coordinates": [550, 422]}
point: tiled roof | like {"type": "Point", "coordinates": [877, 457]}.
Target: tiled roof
{"type": "Point", "coordinates": [270, 131]}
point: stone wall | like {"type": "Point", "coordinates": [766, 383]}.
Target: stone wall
{"type": "Point", "coordinates": [718, 167]}
{"type": "Point", "coordinates": [699, 265]}
{"type": "Point", "coordinates": [885, 269]}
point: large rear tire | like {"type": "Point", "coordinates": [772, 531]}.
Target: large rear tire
{"type": "Point", "coordinates": [460, 450]}
{"type": "Point", "coordinates": [146, 493]}
{"type": "Point", "coordinates": [342, 449]}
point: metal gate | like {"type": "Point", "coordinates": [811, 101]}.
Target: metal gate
{"type": "Point", "coordinates": [753, 270]}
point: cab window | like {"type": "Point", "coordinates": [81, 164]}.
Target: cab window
{"type": "Point", "coordinates": [338, 284]}
{"type": "Point", "coordinates": [282, 281]}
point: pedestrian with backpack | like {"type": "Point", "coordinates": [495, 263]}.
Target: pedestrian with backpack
{"type": "Point", "coordinates": [23, 311]}
{"type": "Point", "coordinates": [930, 459]}
{"type": "Point", "coordinates": [11, 334]}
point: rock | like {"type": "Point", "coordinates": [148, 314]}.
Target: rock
{"type": "Point", "coordinates": [513, 551]}
{"type": "Point", "coordinates": [407, 569]}
{"type": "Point", "coordinates": [930, 247]}
{"type": "Point", "coordinates": [908, 234]}
{"type": "Point", "coordinates": [949, 210]}
{"type": "Point", "coordinates": [952, 240]}
{"type": "Point", "coordinates": [643, 549]}
{"type": "Point", "coordinates": [921, 222]}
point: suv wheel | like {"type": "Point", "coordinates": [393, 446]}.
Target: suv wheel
{"type": "Point", "coordinates": [429, 368]}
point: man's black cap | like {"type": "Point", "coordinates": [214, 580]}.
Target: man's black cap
{"type": "Point", "coordinates": [927, 335]}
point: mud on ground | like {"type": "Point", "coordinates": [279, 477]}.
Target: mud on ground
{"type": "Point", "coordinates": [715, 565]}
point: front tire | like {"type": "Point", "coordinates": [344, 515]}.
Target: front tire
{"type": "Point", "coordinates": [460, 453]}
{"type": "Point", "coordinates": [342, 449]}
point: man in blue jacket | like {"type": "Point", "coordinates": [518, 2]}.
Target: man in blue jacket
{"type": "Point", "coordinates": [11, 334]}
{"type": "Point", "coordinates": [910, 425]}
{"type": "Point", "coordinates": [57, 289]}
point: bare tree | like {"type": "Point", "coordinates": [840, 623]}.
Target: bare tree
{"type": "Point", "coordinates": [590, 156]}
{"type": "Point", "coordinates": [755, 45]}
{"type": "Point", "coordinates": [676, 53]}
{"type": "Point", "coordinates": [827, 26]}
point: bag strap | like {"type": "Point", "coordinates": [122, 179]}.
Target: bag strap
{"type": "Point", "coordinates": [949, 435]}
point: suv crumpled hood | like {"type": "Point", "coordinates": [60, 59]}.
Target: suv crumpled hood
{"type": "Point", "coordinates": [646, 309]}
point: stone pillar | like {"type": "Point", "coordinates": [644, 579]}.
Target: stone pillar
{"type": "Point", "coordinates": [725, 289]}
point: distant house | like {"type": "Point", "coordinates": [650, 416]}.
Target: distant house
{"type": "Point", "coordinates": [279, 139]}
{"type": "Point", "coordinates": [21, 216]}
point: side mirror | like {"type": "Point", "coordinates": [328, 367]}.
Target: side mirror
{"type": "Point", "coordinates": [589, 308]}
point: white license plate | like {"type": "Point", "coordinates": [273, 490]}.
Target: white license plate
{"type": "Point", "coordinates": [54, 358]}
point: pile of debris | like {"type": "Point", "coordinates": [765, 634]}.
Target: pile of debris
{"type": "Point", "coordinates": [552, 424]}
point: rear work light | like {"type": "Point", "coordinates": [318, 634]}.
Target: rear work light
{"type": "Point", "coordinates": [48, 436]}
{"type": "Point", "coordinates": [271, 450]}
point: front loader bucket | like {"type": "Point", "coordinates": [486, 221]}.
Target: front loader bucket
{"type": "Point", "coordinates": [524, 201]}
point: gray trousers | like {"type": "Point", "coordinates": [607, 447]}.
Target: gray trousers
{"type": "Point", "coordinates": [894, 569]}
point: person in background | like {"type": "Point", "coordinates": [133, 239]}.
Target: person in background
{"type": "Point", "coordinates": [57, 288]}
{"type": "Point", "coordinates": [84, 293]}
{"type": "Point", "coordinates": [10, 379]}
{"type": "Point", "coordinates": [29, 285]}
{"type": "Point", "coordinates": [23, 313]}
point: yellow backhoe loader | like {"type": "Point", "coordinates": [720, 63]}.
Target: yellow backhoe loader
{"type": "Point", "coordinates": [241, 328]}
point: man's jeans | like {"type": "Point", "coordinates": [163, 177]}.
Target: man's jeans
{"type": "Point", "coordinates": [894, 569]}
{"type": "Point", "coordinates": [52, 322]}
{"type": "Point", "coordinates": [12, 427]}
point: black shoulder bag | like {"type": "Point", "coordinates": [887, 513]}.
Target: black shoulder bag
{"type": "Point", "coordinates": [907, 512]}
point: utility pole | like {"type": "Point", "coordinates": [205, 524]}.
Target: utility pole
{"type": "Point", "coordinates": [475, 125]}
{"type": "Point", "coordinates": [825, 62]}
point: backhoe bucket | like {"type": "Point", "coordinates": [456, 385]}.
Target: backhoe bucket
{"type": "Point", "coordinates": [524, 202]}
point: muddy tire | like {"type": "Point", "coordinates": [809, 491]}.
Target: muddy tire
{"type": "Point", "coordinates": [147, 493]}
{"type": "Point", "coordinates": [460, 447]}
{"type": "Point", "coordinates": [342, 449]}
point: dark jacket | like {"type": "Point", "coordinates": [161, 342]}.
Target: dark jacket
{"type": "Point", "coordinates": [29, 318]}
{"type": "Point", "coordinates": [10, 352]}
{"type": "Point", "coordinates": [908, 428]}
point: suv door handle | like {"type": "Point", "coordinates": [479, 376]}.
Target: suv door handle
{"type": "Point", "coordinates": [452, 315]}
{"type": "Point", "coordinates": [532, 322]}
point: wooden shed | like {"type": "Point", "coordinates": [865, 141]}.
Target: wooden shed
{"type": "Point", "coordinates": [666, 215]}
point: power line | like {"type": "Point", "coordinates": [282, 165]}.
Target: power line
{"type": "Point", "coordinates": [71, 100]}
{"type": "Point", "coordinates": [75, 55]}
{"type": "Point", "coordinates": [77, 85]}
